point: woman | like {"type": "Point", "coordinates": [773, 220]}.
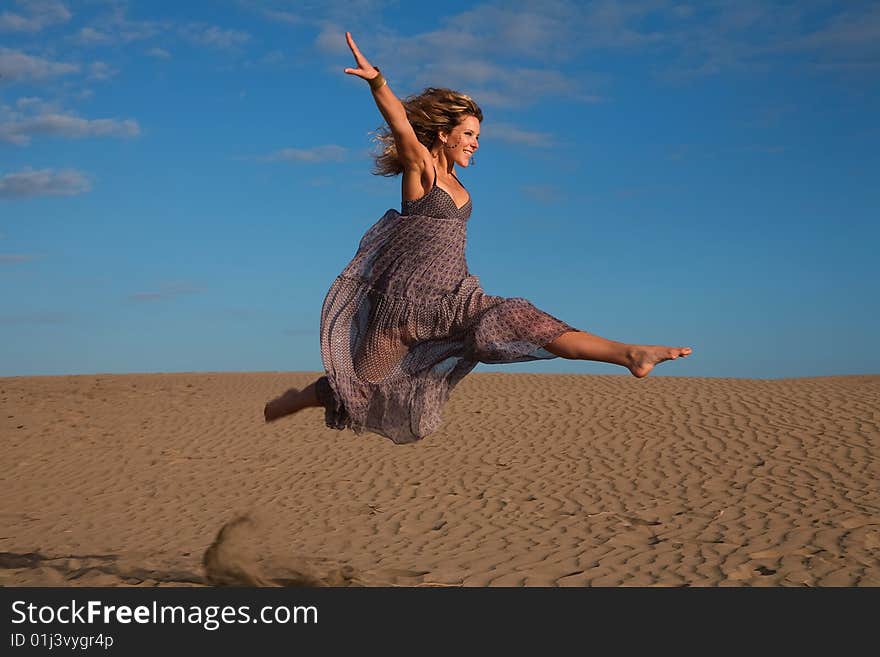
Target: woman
{"type": "Point", "coordinates": [406, 320]}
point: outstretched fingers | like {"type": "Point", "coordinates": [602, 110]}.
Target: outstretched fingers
{"type": "Point", "coordinates": [358, 57]}
{"type": "Point", "coordinates": [352, 45]}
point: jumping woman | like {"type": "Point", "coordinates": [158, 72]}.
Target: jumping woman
{"type": "Point", "coordinates": [405, 321]}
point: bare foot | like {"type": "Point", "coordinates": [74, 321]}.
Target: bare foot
{"type": "Point", "coordinates": [642, 358]}
{"type": "Point", "coordinates": [285, 404]}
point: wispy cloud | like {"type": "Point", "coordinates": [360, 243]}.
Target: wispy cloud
{"type": "Point", "coordinates": [348, 12]}
{"type": "Point", "coordinates": [279, 16]}
{"type": "Point", "coordinates": [166, 291]}
{"type": "Point", "coordinates": [481, 50]}
{"type": "Point", "coordinates": [33, 16]}
{"type": "Point", "coordinates": [501, 54]}
{"type": "Point", "coordinates": [90, 36]}
{"type": "Point", "coordinates": [16, 66]}
{"type": "Point", "coordinates": [331, 39]}
{"type": "Point", "coordinates": [159, 53]}
{"type": "Point", "coordinates": [489, 83]}
{"type": "Point", "coordinates": [272, 58]}
{"type": "Point", "coordinates": [21, 129]}
{"type": "Point", "coordinates": [327, 153]}
{"type": "Point", "coordinates": [213, 36]}
{"type": "Point", "coordinates": [114, 27]}
{"type": "Point", "coordinates": [515, 52]}
{"type": "Point", "coordinates": [514, 135]}
{"type": "Point", "coordinates": [754, 36]}
{"type": "Point", "coordinates": [43, 182]}
{"type": "Point", "coordinates": [35, 104]}
{"type": "Point", "coordinates": [544, 193]}
{"type": "Point", "coordinates": [849, 40]}
{"type": "Point", "coordinates": [101, 71]}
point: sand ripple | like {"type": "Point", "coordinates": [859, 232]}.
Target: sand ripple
{"type": "Point", "coordinates": [534, 479]}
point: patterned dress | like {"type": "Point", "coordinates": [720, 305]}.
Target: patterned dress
{"type": "Point", "coordinates": [405, 321]}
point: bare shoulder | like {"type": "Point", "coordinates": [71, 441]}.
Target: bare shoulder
{"type": "Point", "coordinates": [418, 177]}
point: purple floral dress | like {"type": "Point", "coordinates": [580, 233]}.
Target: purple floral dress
{"type": "Point", "coordinates": [405, 321]}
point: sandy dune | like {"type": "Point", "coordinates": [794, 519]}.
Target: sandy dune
{"type": "Point", "coordinates": [534, 479]}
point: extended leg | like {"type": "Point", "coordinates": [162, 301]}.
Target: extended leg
{"type": "Point", "coordinates": [290, 402]}
{"type": "Point", "coordinates": [638, 359]}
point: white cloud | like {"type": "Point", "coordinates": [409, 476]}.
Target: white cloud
{"type": "Point", "coordinates": [214, 37]}
{"type": "Point", "coordinates": [101, 71]}
{"type": "Point", "coordinates": [544, 193]}
{"type": "Point", "coordinates": [850, 39]}
{"type": "Point", "coordinates": [35, 15]}
{"type": "Point", "coordinates": [328, 153]}
{"type": "Point", "coordinates": [499, 56]}
{"type": "Point", "coordinates": [36, 104]}
{"type": "Point", "coordinates": [17, 66]}
{"type": "Point", "coordinates": [515, 135]}
{"type": "Point", "coordinates": [43, 182]}
{"type": "Point", "coordinates": [114, 27]}
{"type": "Point", "coordinates": [272, 58]}
{"type": "Point", "coordinates": [278, 16]}
{"type": "Point", "coordinates": [159, 53]}
{"type": "Point", "coordinates": [331, 39]}
{"type": "Point", "coordinates": [20, 131]}
{"type": "Point", "coordinates": [91, 36]}
{"type": "Point", "coordinates": [348, 12]}
{"type": "Point", "coordinates": [516, 52]}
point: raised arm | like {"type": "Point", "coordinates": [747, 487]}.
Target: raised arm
{"type": "Point", "coordinates": [410, 151]}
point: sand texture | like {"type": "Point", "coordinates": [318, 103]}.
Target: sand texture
{"type": "Point", "coordinates": [533, 479]}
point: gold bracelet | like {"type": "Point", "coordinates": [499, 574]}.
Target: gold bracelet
{"type": "Point", "coordinates": [378, 81]}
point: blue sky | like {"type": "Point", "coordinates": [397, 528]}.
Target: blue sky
{"type": "Point", "coordinates": [181, 182]}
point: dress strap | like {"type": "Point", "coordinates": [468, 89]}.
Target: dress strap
{"type": "Point", "coordinates": [454, 176]}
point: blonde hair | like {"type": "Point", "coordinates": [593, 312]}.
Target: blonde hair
{"type": "Point", "coordinates": [430, 112]}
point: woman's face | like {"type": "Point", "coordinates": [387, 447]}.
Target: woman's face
{"type": "Point", "coordinates": [465, 138]}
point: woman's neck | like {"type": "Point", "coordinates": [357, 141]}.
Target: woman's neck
{"type": "Point", "coordinates": [444, 163]}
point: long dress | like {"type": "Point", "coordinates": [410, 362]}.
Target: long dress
{"type": "Point", "coordinates": [405, 321]}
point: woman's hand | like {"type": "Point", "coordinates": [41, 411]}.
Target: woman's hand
{"type": "Point", "coordinates": [364, 70]}
{"type": "Point", "coordinates": [410, 151]}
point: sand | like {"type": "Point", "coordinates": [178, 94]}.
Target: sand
{"type": "Point", "coordinates": [533, 480]}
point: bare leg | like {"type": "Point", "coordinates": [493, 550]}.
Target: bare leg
{"type": "Point", "coordinates": [381, 353]}
{"type": "Point", "coordinates": [638, 359]}
{"type": "Point", "coordinates": [290, 402]}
